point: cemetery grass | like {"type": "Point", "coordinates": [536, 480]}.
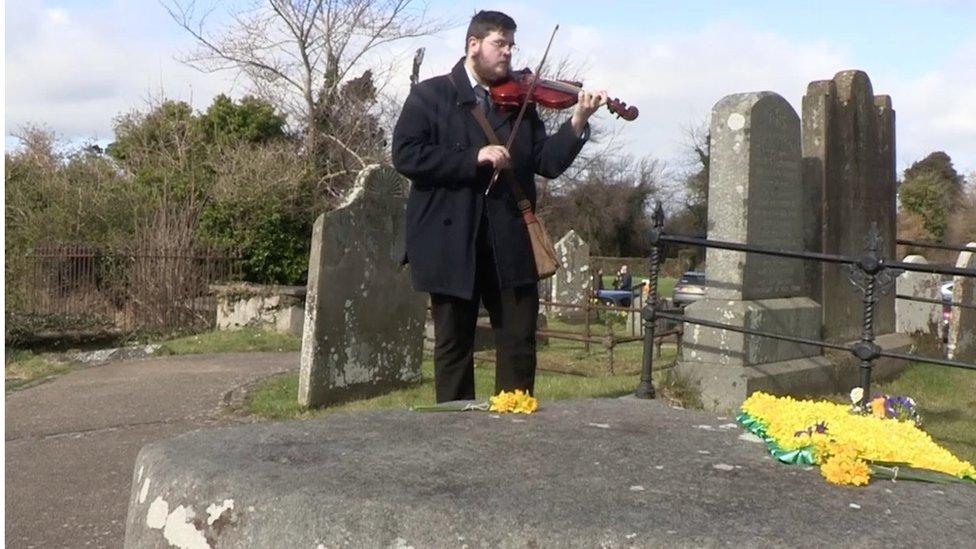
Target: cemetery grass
{"type": "Point", "coordinates": [276, 397]}
{"type": "Point", "coordinates": [22, 368]}
{"type": "Point", "coordinates": [230, 341]}
{"type": "Point", "coordinates": [665, 284]}
{"type": "Point", "coordinates": [946, 399]}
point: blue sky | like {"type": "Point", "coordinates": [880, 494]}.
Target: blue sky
{"type": "Point", "coordinates": [74, 65]}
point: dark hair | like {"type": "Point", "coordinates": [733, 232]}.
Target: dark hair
{"type": "Point", "coordinates": [484, 22]}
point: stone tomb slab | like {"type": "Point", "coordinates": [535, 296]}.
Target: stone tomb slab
{"type": "Point", "coordinates": [586, 473]}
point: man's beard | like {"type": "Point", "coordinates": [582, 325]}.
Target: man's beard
{"type": "Point", "coordinates": [484, 70]}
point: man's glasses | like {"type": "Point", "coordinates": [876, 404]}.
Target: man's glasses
{"type": "Point", "coordinates": [503, 44]}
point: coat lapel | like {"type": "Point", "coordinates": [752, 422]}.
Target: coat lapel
{"type": "Point", "coordinates": [466, 100]}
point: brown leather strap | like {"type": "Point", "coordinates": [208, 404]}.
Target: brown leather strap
{"type": "Point", "coordinates": [524, 205]}
{"type": "Point", "coordinates": [479, 115]}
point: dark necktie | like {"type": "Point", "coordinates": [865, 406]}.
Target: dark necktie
{"type": "Point", "coordinates": [483, 98]}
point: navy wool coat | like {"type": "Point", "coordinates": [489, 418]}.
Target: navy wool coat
{"type": "Point", "coordinates": [435, 144]}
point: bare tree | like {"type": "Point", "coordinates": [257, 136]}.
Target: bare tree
{"type": "Point", "coordinates": [305, 56]}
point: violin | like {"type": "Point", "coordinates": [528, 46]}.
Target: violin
{"type": "Point", "coordinates": [553, 94]}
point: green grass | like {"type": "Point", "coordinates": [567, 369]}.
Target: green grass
{"type": "Point", "coordinates": [277, 397]}
{"type": "Point", "coordinates": [665, 284]}
{"type": "Point", "coordinates": [25, 367]}
{"type": "Point", "coordinates": [570, 357]}
{"type": "Point", "coordinates": [946, 399]}
{"type": "Point", "coordinates": [231, 341]}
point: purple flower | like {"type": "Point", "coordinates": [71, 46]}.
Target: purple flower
{"type": "Point", "coordinates": [890, 406]}
{"type": "Point", "coordinates": [820, 427]}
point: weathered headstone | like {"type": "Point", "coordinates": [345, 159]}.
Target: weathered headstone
{"type": "Point", "coordinates": [849, 183]}
{"type": "Point", "coordinates": [572, 282]}
{"type": "Point", "coordinates": [364, 323]}
{"type": "Point", "coordinates": [753, 197]}
{"type": "Point", "coordinates": [918, 317]}
{"type": "Point", "coordinates": [962, 322]}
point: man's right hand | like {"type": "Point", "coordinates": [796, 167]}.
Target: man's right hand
{"type": "Point", "coordinates": [494, 155]}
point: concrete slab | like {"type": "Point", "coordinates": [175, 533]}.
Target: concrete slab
{"type": "Point", "coordinates": [587, 473]}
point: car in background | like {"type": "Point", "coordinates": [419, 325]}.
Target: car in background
{"type": "Point", "coordinates": [945, 290]}
{"type": "Point", "coordinates": [689, 288]}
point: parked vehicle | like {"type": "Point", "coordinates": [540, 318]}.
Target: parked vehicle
{"type": "Point", "coordinates": [690, 288]}
{"type": "Point", "coordinates": [946, 291]}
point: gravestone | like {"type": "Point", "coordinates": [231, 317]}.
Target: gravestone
{"type": "Point", "coordinates": [754, 191]}
{"type": "Point", "coordinates": [572, 282]}
{"type": "Point", "coordinates": [962, 322]}
{"type": "Point", "coordinates": [918, 317]}
{"type": "Point", "coordinates": [364, 323]}
{"type": "Point", "coordinates": [849, 183]}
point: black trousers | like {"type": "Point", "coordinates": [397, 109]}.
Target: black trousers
{"type": "Point", "coordinates": [514, 313]}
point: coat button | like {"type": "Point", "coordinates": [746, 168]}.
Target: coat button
{"type": "Point", "coordinates": [447, 222]}
{"type": "Point", "coordinates": [458, 146]}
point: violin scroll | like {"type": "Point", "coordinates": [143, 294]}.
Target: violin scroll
{"type": "Point", "coordinates": [621, 109]}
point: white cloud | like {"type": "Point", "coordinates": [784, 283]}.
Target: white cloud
{"type": "Point", "coordinates": [937, 111]}
{"type": "Point", "coordinates": [57, 16]}
{"type": "Point", "coordinates": [673, 79]}
{"type": "Point", "coordinates": [76, 72]}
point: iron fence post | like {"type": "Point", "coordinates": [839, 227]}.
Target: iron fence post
{"type": "Point", "coordinates": [646, 387]}
{"type": "Point", "coordinates": [873, 278]}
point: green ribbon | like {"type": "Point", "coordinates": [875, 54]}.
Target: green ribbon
{"type": "Point", "coordinates": [799, 456]}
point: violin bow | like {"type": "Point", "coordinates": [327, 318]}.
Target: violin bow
{"type": "Point", "coordinates": [525, 104]}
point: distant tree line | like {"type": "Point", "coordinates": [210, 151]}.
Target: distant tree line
{"type": "Point", "coordinates": [937, 203]}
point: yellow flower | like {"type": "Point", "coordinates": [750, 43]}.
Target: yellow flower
{"type": "Point", "coordinates": [846, 470]}
{"type": "Point", "coordinates": [518, 401]}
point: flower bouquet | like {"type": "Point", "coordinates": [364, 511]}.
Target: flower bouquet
{"type": "Point", "coordinates": [852, 443]}
{"type": "Point", "coordinates": [516, 402]}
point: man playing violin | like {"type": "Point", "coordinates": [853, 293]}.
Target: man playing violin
{"type": "Point", "coordinates": [464, 246]}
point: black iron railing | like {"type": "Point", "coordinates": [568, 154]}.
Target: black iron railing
{"type": "Point", "coordinates": [870, 273]}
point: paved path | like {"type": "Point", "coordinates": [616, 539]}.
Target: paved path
{"type": "Point", "coordinates": [71, 443]}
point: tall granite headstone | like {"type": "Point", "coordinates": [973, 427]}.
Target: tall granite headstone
{"type": "Point", "coordinates": [572, 282]}
{"type": "Point", "coordinates": [918, 317]}
{"type": "Point", "coordinates": [364, 323]}
{"type": "Point", "coordinates": [962, 322]}
{"type": "Point", "coordinates": [754, 196]}
{"type": "Point", "coordinates": [849, 183]}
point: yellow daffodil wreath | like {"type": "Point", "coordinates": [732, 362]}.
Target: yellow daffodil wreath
{"type": "Point", "coordinates": [847, 446]}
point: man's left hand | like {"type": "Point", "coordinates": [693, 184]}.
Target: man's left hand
{"type": "Point", "coordinates": [587, 104]}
